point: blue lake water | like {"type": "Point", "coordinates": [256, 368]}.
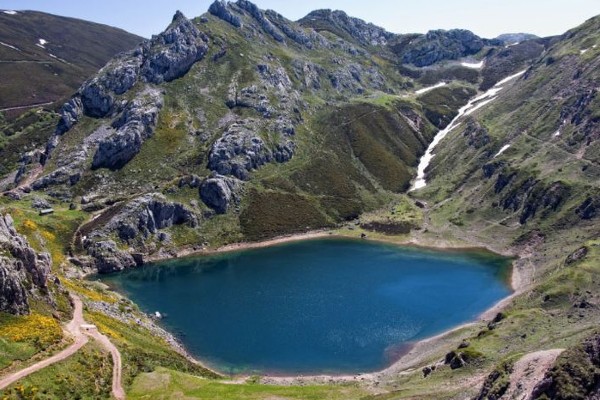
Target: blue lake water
{"type": "Point", "coordinates": [319, 306]}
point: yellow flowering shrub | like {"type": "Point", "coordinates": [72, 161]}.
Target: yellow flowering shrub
{"type": "Point", "coordinates": [30, 225]}
{"type": "Point", "coordinates": [40, 330]}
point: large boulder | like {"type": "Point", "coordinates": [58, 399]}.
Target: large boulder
{"type": "Point", "coordinates": [219, 192]}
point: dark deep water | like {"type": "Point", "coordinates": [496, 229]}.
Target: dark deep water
{"type": "Point", "coordinates": [319, 306]}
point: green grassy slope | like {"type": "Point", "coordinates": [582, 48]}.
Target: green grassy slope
{"type": "Point", "coordinates": [75, 49]}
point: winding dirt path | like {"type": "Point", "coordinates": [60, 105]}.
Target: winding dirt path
{"type": "Point", "coordinates": [72, 329]}
{"type": "Point", "coordinates": [117, 387]}
{"type": "Point", "coordinates": [80, 331]}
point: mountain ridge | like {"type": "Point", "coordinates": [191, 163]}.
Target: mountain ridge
{"type": "Point", "coordinates": [240, 125]}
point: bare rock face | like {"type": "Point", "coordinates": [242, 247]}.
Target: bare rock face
{"type": "Point", "coordinates": [141, 219]}
{"type": "Point", "coordinates": [239, 151]}
{"type": "Point", "coordinates": [163, 58]}
{"type": "Point", "coordinates": [260, 17]}
{"type": "Point", "coordinates": [135, 125]}
{"type": "Point", "coordinates": [144, 216]}
{"type": "Point", "coordinates": [108, 258]}
{"type": "Point", "coordinates": [365, 33]}
{"type": "Point", "coordinates": [172, 53]}
{"type": "Point", "coordinates": [22, 271]}
{"type": "Point", "coordinates": [219, 9]}
{"type": "Point", "coordinates": [219, 192]}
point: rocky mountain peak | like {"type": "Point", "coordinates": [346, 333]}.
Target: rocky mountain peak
{"type": "Point", "coordinates": [347, 27]}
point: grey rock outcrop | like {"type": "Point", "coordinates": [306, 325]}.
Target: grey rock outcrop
{"type": "Point", "coordinates": [108, 258]}
{"type": "Point", "coordinates": [362, 32]}
{"type": "Point", "coordinates": [219, 192]}
{"type": "Point", "coordinates": [438, 45]}
{"type": "Point", "coordinates": [22, 270]}
{"type": "Point", "coordinates": [292, 30]}
{"type": "Point", "coordinates": [238, 151]}
{"type": "Point", "coordinates": [220, 10]}
{"type": "Point", "coordinates": [144, 216]}
{"type": "Point", "coordinates": [70, 113]}
{"type": "Point", "coordinates": [135, 125]}
{"type": "Point", "coordinates": [172, 53]}
{"type": "Point", "coordinates": [308, 73]}
{"type": "Point", "coordinates": [165, 57]}
{"type": "Point", "coordinates": [259, 16]}
{"type": "Point", "coordinates": [136, 222]}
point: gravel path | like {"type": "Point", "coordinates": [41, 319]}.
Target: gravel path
{"type": "Point", "coordinates": [76, 328]}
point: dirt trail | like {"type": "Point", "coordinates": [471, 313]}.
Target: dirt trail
{"type": "Point", "coordinates": [117, 387]}
{"type": "Point", "coordinates": [80, 331]}
{"type": "Point", "coordinates": [72, 329]}
{"type": "Point", "coordinates": [27, 106]}
{"type": "Point", "coordinates": [528, 371]}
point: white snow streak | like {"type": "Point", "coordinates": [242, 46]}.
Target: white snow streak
{"type": "Point", "coordinates": [10, 46]}
{"type": "Point", "coordinates": [479, 105]}
{"type": "Point", "coordinates": [427, 89]}
{"type": "Point", "coordinates": [502, 150]}
{"type": "Point", "coordinates": [557, 133]}
{"type": "Point", "coordinates": [10, 12]}
{"type": "Point", "coordinates": [473, 65]}
{"type": "Point", "coordinates": [509, 78]}
{"type": "Point", "coordinates": [473, 104]}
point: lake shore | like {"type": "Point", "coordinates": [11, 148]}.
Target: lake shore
{"type": "Point", "coordinates": [416, 353]}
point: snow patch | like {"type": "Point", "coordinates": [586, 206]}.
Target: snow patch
{"type": "Point", "coordinates": [473, 104]}
{"type": "Point", "coordinates": [41, 43]}
{"type": "Point", "coordinates": [57, 58]}
{"type": "Point", "coordinates": [583, 51]}
{"type": "Point", "coordinates": [473, 65]}
{"type": "Point", "coordinates": [510, 78]}
{"type": "Point", "coordinates": [557, 133]}
{"type": "Point", "coordinates": [10, 12]}
{"type": "Point", "coordinates": [502, 150]}
{"type": "Point", "coordinates": [511, 44]}
{"type": "Point", "coordinates": [429, 88]}
{"type": "Point", "coordinates": [479, 105]}
{"type": "Point", "coordinates": [10, 46]}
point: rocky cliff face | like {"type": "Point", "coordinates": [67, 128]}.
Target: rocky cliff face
{"type": "Point", "coordinates": [137, 221]}
{"type": "Point", "coordinates": [23, 272]}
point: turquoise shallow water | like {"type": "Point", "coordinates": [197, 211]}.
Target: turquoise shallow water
{"type": "Point", "coordinates": [317, 306]}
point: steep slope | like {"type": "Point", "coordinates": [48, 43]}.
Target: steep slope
{"type": "Point", "coordinates": [521, 175]}
{"type": "Point", "coordinates": [44, 57]}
